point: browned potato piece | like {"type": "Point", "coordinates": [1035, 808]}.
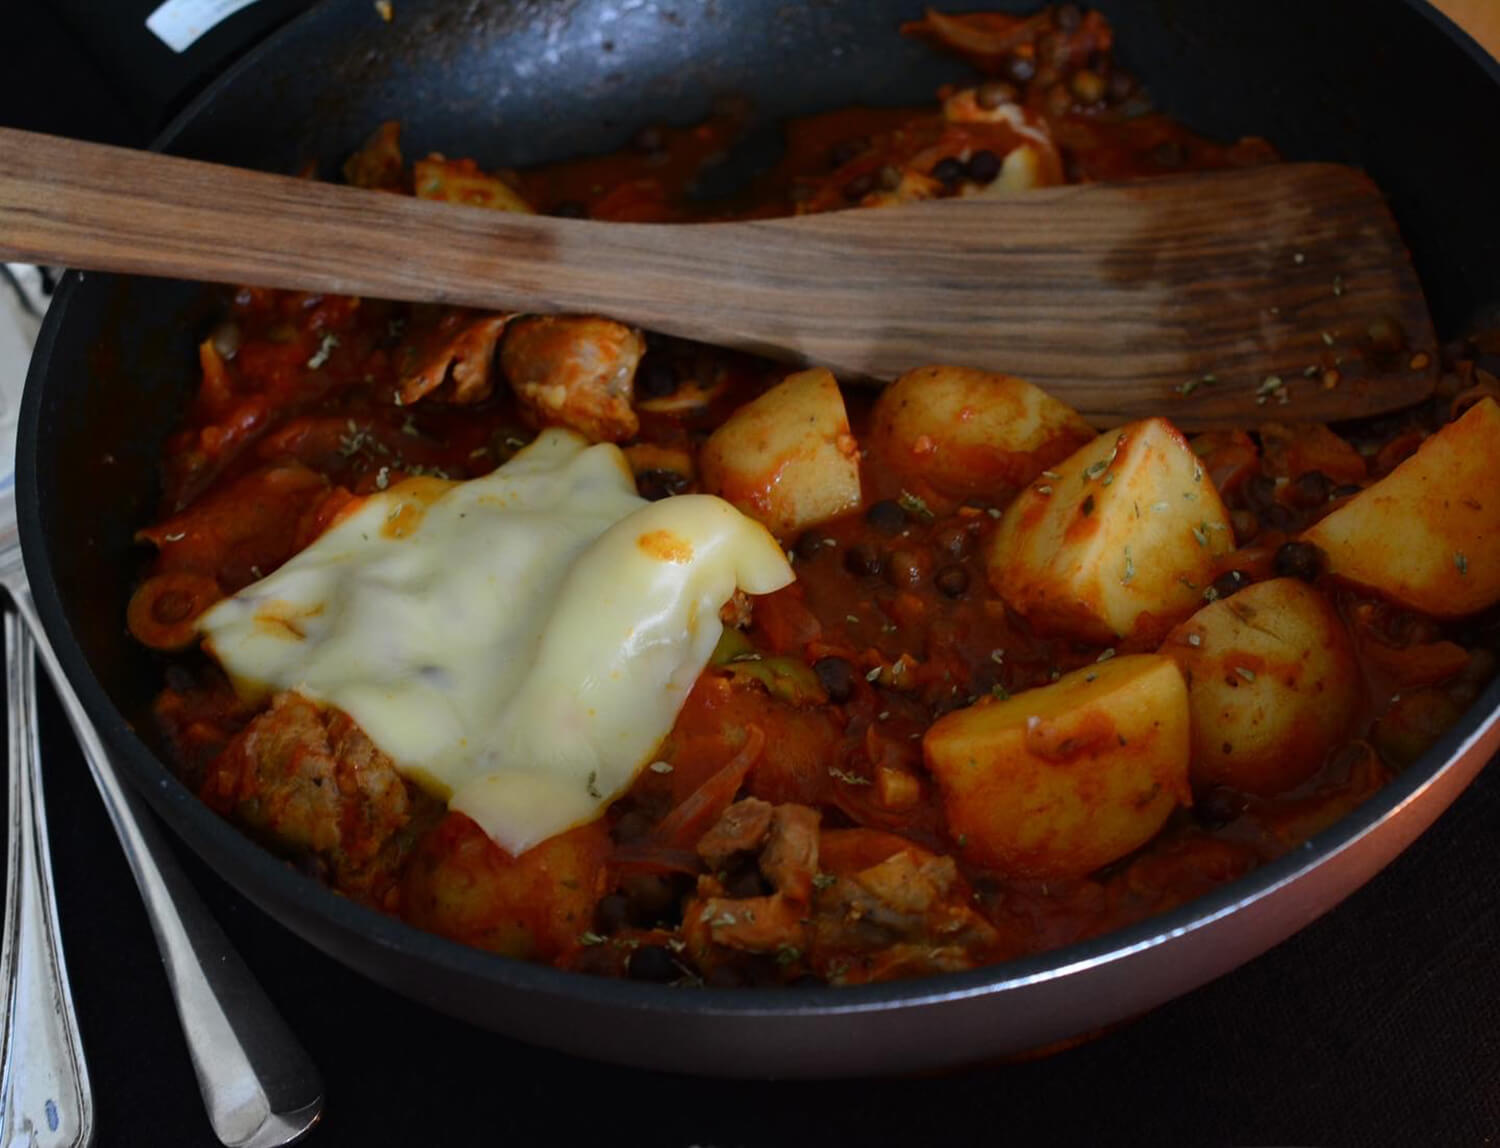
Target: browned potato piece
{"type": "Point", "coordinates": [575, 371]}
{"type": "Point", "coordinates": [1427, 535]}
{"type": "Point", "coordinates": [1062, 779]}
{"type": "Point", "coordinates": [1118, 541]}
{"type": "Point", "coordinates": [1272, 684]}
{"type": "Point", "coordinates": [462, 885]}
{"type": "Point", "coordinates": [952, 433]}
{"type": "Point", "coordinates": [787, 458]}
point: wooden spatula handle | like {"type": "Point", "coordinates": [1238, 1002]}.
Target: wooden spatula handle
{"type": "Point", "coordinates": [1111, 296]}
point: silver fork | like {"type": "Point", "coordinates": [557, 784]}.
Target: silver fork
{"type": "Point", "coordinates": [45, 1099]}
{"type": "Point", "coordinates": [259, 1086]}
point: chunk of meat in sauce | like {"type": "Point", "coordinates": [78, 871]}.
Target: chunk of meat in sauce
{"type": "Point", "coordinates": [454, 364]}
{"type": "Point", "coordinates": [790, 858]}
{"type": "Point", "coordinates": [741, 829]}
{"type": "Point", "coordinates": [787, 839]}
{"type": "Point", "coordinates": [310, 780]}
{"type": "Point", "coordinates": [889, 908]}
{"type": "Point", "coordinates": [576, 372]}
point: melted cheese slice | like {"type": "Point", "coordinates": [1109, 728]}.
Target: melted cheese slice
{"type": "Point", "coordinates": [520, 643]}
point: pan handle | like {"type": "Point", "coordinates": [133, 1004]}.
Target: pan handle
{"type": "Point", "coordinates": [260, 1087]}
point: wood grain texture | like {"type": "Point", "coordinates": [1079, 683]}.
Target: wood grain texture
{"type": "Point", "coordinates": [1479, 18]}
{"type": "Point", "coordinates": [1110, 296]}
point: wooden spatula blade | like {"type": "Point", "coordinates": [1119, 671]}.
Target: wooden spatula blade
{"type": "Point", "coordinates": [1281, 292]}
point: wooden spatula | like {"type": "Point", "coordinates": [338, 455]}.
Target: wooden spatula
{"type": "Point", "coordinates": [1217, 299]}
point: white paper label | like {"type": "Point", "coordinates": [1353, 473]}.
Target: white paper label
{"type": "Point", "coordinates": [178, 23]}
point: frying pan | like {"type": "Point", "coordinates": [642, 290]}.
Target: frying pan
{"type": "Point", "coordinates": [1385, 84]}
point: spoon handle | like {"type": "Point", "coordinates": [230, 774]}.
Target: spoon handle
{"type": "Point", "coordinates": [259, 1086]}
{"type": "Point", "coordinates": [45, 1099]}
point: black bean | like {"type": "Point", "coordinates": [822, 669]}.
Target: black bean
{"type": "Point", "coordinates": [1020, 69]}
{"type": "Point", "coordinates": [859, 187]}
{"type": "Point", "coordinates": [649, 139]}
{"type": "Point", "coordinates": [656, 378]}
{"type": "Point", "coordinates": [570, 209]}
{"type": "Point", "coordinates": [1218, 807]}
{"type": "Point", "coordinates": [836, 676]}
{"type": "Point", "coordinates": [612, 913]}
{"type": "Point", "coordinates": [1260, 491]}
{"type": "Point", "coordinates": [1069, 17]}
{"type": "Point", "coordinates": [724, 977]}
{"type": "Point", "coordinates": [653, 963]}
{"type": "Point", "coordinates": [1311, 489]}
{"type": "Point", "coordinates": [887, 517]}
{"type": "Point", "coordinates": [1169, 154]}
{"type": "Point", "coordinates": [906, 569]}
{"type": "Point", "coordinates": [632, 826]}
{"type": "Point", "coordinates": [655, 485]}
{"type": "Point", "coordinates": [952, 581]}
{"type": "Point", "coordinates": [948, 170]}
{"type": "Point", "coordinates": [1298, 560]}
{"type": "Point", "coordinates": [952, 539]}
{"type": "Point", "coordinates": [760, 971]}
{"type": "Point", "coordinates": [845, 150]}
{"type": "Point", "coordinates": [1246, 525]}
{"type": "Point", "coordinates": [1230, 581]}
{"type": "Point", "coordinates": [809, 545]}
{"type": "Point", "coordinates": [984, 166]}
{"type": "Point", "coordinates": [992, 93]}
{"type": "Point", "coordinates": [1121, 86]}
{"type": "Point", "coordinates": [1346, 490]}
{"type": "Point", "coordinates": [862, 558]}
{"type": "Point", "coordinates": [1279, 517]}
{"type": "Point", "coordinates": [180, 679]}
{"type": "Point", "coordinates": [653, 899]}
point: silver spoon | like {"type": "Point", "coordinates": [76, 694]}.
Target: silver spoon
{"type": "Point", "coordinates": [260, 1088]}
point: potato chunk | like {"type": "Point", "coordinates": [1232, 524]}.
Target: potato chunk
{"type": "Point", "coordinates": [952, 433]}
{"type": "Point", "coordinates": [1272, 684]}
{"type": "Point", "coordinates": [1118, 541]}
{"type": "Point", "coordinates": [462, 885]}
{"type": "Point", "coordinates": [787, 458]}
{"type": "Point", "coordinates": [1062, 779]}
{"type": "Point", "coordinates": [1427, 535]}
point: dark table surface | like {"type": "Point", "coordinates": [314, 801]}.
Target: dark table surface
{"type": "Point", "coordinates": [1378, 1025]}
